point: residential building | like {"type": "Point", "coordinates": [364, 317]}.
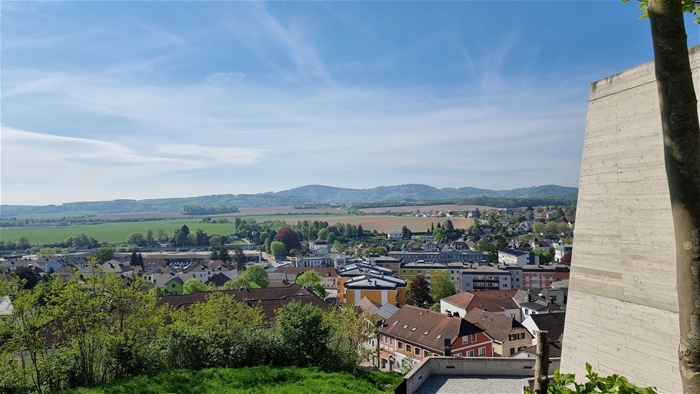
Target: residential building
{"type": "Point", "coordinates": [379, 289]}
{"type": "Point", "coordinates": [517, 257]}
{"type": "Point", "coordinates": [394, 235]}
{"type": "Point", "coordinates": [560, 250]}
{"type": "Point", "coordinates": [332, 260]}
{"type": "Point", "coordinates": [509, 336]}
{"type": "Point", "coordinates": [425, 268]}
{"type": "Point", "coordinates": [485, 277]}
{"type": "Point", "coordinates": [414, 333]}
{"type": "Point", "coordinates": [445, 256]}
{"type": "Point", "coordinates": [498, 301]}
{"type": "Point", "coordinates": [553, 323]}
{"type": "Point", "coordinates": [391, 263]}
{"type": "Point", "coordinates": [329, 275]}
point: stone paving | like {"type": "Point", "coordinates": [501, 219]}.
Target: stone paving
{"type": "Point", "coordinates": [452, 384]}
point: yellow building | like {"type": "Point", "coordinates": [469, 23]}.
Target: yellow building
{"type": "Point", "coordinates": [363, 279]}
{"type": "Point", "coordinates": [380, 289]}
{"type": "Point", "coordinates": [428, 269]}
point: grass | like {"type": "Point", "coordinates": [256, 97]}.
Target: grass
{"type": "Point", "coordinates": [289, 380]}
{"type": "Point", "coordinates": [109, 232]}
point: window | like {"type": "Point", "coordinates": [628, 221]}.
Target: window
{"type": "Point", "coordinates": [426, 353]}
{"type": "Point", "coordinates": [482, 351]}
{"type": "Point", "coordinates": [465, 339]}
{"type": "Point", "coordinates": [470, 353]}
{"type": "Point", "coordinates": [391, 341]}
{"type": "Point", "coordinates": [400, 344]}
{"type": "Point", "coordinates": [473, 337]}
{"type": "Point", "coordinates": [417, 352]}
{"type": "Point", "coordinates": [408, 348]}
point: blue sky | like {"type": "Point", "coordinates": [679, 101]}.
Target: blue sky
{"type": "Point", "coordinates": [107, 100]}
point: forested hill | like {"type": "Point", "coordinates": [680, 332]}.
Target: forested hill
{"type": "Point", "coordinates": [295, 197]}
{"type": "Point", "coordinates": [328, 194]}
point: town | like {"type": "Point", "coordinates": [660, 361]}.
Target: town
{"type": "Point", "coordinates": [488, 289]}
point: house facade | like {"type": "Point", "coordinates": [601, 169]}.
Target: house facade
{"type": "Point", "coordinates": [413, 333]}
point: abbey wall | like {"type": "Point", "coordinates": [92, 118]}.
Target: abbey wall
{"type": "Point", "coordinates": [622, 314]}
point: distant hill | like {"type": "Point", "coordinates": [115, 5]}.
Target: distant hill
{"type": "Point", "coordinates": [330, 194]}
{"type": "Point", "coordinates": [310, 194]}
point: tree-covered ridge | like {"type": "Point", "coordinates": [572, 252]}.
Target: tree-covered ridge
{"type": "Point", "coordinates": [306, 195]}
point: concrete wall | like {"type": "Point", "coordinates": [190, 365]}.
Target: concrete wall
{"type": "Point", "coordinates": [476, 366]}
{"type": "Point", "coordinates": [622, 312]}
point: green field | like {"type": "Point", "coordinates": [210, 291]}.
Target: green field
{"type": "Point", "coordinates": [109, 232]}
{"type": "Point", "coordinates": [119, 231]}
{"type": "Point", "coordinates": [254, 380]}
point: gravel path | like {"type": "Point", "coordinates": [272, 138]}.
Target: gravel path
{"type": "Point", "coordinates": [452, 384]}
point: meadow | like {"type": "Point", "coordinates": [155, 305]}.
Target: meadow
{"type": "Point", "coordinates": [119, 231]}
{"type": "Point", "coordinates": [256, 380]}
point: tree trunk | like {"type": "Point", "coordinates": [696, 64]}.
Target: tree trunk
{"type": "Point", "coordinates": [681, 132]}
{"type": "Point", "coordinates": [542, 363]}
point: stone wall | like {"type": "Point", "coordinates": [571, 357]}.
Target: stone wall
{"type": "Point", "coordinates": [622, 312]}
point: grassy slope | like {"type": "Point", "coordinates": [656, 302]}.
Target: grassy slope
{"type": "Point", "coordinates": [253, 380]}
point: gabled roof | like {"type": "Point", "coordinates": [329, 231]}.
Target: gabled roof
{"type": "Point", "coordinates": [325, 272]}
{"type": "Point", "coordinates": [367, 306]}
{"type": "Point", "coordinates": [427, 328]}
{"type": "Point", "coordinates": [551, 322]}
{"type": "Point", "coordinates": [270, 299]}
{"type": "Point", "coordinates": [497, 325]}
{"type": "Point", "coordinates": [489, 300]}
{"type": "Point", "coordinates": [387, 310]}
{"type": "Point", "coordinates": [370, 281]}
{"type": "Point", "coordinates": [217, 280]}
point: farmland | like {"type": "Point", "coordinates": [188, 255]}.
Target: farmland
{"type": "Point", "coordinates": [119, 231]}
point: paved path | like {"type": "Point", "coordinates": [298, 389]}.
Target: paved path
{"type": "Point", "coordinates": [452, 384]}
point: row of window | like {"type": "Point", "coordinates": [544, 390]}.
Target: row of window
{"type": "Point", "coordinates": [465, 339]}
{"type": "Point", "coordinates": [515, 337]}
{"type": "Point", "coordinates": [470, 353]}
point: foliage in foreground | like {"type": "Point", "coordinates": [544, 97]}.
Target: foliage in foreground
{"type": "Point", "coordinates": [565, 384]}
{"type": "Point", "coordinates": [102, 329]}
{"type": "Point", "coordinates": [254, 380]}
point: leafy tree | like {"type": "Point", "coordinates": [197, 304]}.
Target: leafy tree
{"type": "Point", "coordinates": [46, 252]}
{"type": "Point", "coordinates": [435, 307]}
{"type": "Point", "coordinates": [405, 232]}
{"type": "Point", "coordinates": [308, 278]}
{"type": "Point", "coordinates": [256, 274]}
{"type": "Point", "coordinates": [538, 227]}
{"type": "Point", "coordinates": [27, 275]}
{"type": "Point", "coordinates": [277, 248]}
{"type": "Point", "coordinates": [438, 233]}
{"type": "Point", "coordinates": [185, 230]}
{"type": "Point", "coordinates": [161, 236]}
{"type": "Point", "coordinates": [134, 260]}
{"type": "Point", "coordinates": [136, 239]}
{"type": "Point", "coordinates": [239, 258]}
{"type": "Point", "coordinates": [303, 332]}
{"type": "Point", "coordinates": [139, 261]}
{"type": "Point", "coordinates": [419, 290]}
{"type": "Point", "coordinates": [215, 240]}
{"type": "Point", "coordinates": [442, 285]}
{"type": "Point", "coordinates": [360, 232]}
{"type": "Point", "coordinates": [214, 255]}
{"type": "Point", "coordinates": [529, 214]}
{"type": "Point", "coordinates": [23, 243]}
{"type": "Point", "coordinates": [149, 237]}
{"type": "Point", "coordinates": [194, 285]}
{"type": "Point", "coordinates": [236, 284]}
{"type": "Point", "coordinates": [550, 227]}
{"type": "Point", "coordinates": [224, 255]}
{"type": "Point", "coordinates": [289, 238]}
{"type": "Point", "coordinates": [349, 332]}
{"type": "Point", "coordinates": [104, 254]}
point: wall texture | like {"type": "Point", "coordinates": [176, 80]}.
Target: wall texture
{"type": "Point", "coordinates": [622, 307]}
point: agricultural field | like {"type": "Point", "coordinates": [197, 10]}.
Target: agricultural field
{"type": "Point", "coordinates": [109, 232]}
{"type": "Point", "coordinates": [283, 210]}
{"type": "Point", "coordinates": [426, 208]}
{"type": "Point", "coordinates": [119, 231]}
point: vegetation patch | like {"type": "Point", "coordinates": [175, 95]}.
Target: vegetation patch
{"type": "Point", "coordinates": [254, 380]}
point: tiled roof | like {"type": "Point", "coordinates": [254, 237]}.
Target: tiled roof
{"type": "Point", "coordinates": [490, 300]}
{"type": "Point", "coordinates": [497, 325]}
{"type": "Point", "coordinates": [323, 271]}
{"type": "Point", "coordinates": [368, 306]}
{"type": "Point", "coordinates": [553, 323]}
{"type": "Point", "coordinates": [427, 328]}
{"type": "Point", "coordinates": [270, 298]}
{"type": "Point", "coordinates": [369, 281]}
